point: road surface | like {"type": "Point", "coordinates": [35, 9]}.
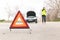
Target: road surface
{"type": "Point", "coordinates": [39, 31]}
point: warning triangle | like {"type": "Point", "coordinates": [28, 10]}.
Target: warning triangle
{"type": "Point", "coordinates": [19, 22]}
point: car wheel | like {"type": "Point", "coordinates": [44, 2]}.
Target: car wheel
{"type": "Point", "coordinates": [36, 21]}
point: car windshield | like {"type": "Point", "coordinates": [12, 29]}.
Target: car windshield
{"type": "Point", "coordinates": [31, 13]}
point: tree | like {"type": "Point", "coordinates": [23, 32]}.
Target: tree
{"type": "Point", "coordinates": [54, 9]}
{"type": "Point", "coordinates": [8, 10]}
{"type": "Point", "coordinates": [11, 12]}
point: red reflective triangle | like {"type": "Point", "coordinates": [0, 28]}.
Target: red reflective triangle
{"type": "Point", "coordinates": [19, 22]}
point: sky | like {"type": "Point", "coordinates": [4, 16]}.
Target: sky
{"type": "Point", "coordinates": [22, 5]}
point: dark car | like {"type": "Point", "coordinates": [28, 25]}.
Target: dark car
{"type": "Point", "coordinates": [31, 16]}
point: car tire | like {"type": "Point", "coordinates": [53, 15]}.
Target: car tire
{"type": "Point", "coordinates": [36, 21]}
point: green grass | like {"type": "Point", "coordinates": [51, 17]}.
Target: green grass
{"type": "Point", "coordinates": [2, 20]}
{"type": "Point", "coordinates": [57, 20]}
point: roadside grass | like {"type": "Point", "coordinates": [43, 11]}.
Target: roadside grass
{"type": "Point", "coordinates": [57, 20]}
{"type": "Point", "coordinates": [6, 21]}
{"type": "Point", "coordinates": [2, 20]}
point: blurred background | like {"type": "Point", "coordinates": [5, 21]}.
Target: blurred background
{"type": "Point", "coordinates": [9, 8]}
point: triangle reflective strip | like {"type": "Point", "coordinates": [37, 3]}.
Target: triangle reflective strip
{"type": "Point", "coordinates": [19, 21]}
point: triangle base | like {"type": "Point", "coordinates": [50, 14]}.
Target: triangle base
{"type": "Point", "coordinates": [19, 27]}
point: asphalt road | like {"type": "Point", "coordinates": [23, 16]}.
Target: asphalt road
{"type": "Point", "coordinates": [39, 31]}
